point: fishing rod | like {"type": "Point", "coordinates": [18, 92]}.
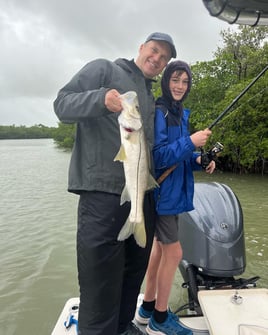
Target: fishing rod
{"type": "Point", "coordinates": [207, 157]}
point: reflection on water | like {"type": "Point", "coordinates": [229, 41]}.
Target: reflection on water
{"type": "Point", "coordinates": [38, 226]}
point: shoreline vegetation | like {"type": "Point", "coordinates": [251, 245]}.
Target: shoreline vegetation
{"type": "Point", "coordinates": [22, 132]}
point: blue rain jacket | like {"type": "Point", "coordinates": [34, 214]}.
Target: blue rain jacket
{"type": "Point", "coordinates": [173, 145]}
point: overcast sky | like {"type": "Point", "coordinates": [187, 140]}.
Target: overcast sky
{"type": "Point", "coordinates": [45, 42]}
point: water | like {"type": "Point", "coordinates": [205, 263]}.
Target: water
{"type": "Point", "coordinates": [38, 227]}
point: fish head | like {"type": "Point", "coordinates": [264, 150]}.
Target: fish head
{"type": "Point", "coordinates": [130, 117]}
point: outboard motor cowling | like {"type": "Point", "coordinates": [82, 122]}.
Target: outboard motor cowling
{"type": "Point", "coordinates": [212, 235]}
{"type": "Point", "coordinates": [212, 239]}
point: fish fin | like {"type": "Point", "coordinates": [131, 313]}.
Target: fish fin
{"type": "Point", "coordinates": [126, 230]}
{"type": "Point", "coordinates": [124, 196]}
{"type": "Point", "coordinates": [140, 234]}
{"type": "Point", "coordinates": [151, 183]}
{"type": "Point", "coordinates": [121, 155]}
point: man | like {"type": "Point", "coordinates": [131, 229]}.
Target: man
{"type": "Point", "coordinates": [110, 272]}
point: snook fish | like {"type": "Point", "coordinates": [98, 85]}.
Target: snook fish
{"type": "Point", "coordinates": [134, 155]}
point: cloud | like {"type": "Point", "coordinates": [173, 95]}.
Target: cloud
{"type": "Point", "coordinates": [44, 43]}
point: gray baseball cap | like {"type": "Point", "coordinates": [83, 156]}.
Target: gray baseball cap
{"type": "Point", "coordinates": [165, 38]}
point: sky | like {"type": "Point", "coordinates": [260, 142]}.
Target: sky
{"type": "Point", "coordinates": [45, 42]}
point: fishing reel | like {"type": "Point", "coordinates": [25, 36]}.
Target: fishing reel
{"type": "Point", "coordinates": [211, 155]}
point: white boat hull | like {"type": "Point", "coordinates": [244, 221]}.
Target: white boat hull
{"type": "Point", "coordinates": [226, 312]}
{"type": "Point", "coordinates": [196, 324]}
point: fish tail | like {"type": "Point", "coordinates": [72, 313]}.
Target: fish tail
{"type": "Point", "coordinates": [140, 234]}
{"type": "Point", "coordinates": [126, 230]}
{"type": "Point", "coordinates": [137, 229]}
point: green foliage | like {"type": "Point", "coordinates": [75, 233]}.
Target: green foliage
{"type": "Point", "coordinates": [244, 50]}
{"type": "Point", "coordinates": [244, 130]}
{"type": "Point", "coordinates": [64, 135]}
{"type": "Point", "coordinates": [210, 80]}
{"type": "Point", "coordinates": [156, 89]}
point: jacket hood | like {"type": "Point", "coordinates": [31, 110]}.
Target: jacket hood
{"type": "Point", "coordinates": [170, 68]}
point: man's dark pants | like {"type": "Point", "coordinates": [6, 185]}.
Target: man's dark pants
{"type": "Point", "coordinates": [110, 272]}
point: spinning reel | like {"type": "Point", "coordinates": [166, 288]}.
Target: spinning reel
{"type": "Point", "coordinates": [210, 155]}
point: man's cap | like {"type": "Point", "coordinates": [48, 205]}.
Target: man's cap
{"type": "Point", "coordinates": [165, 38]}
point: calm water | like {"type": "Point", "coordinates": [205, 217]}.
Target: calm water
{"type": "Point", "coordinates": [38, 226]}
